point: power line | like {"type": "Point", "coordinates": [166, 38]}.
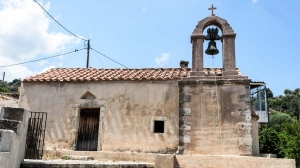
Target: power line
{"type": "Point", "coordinates": [43, 58]}
{"type": "Point", "coordinates": [109, 58]}
{"type": "Point", "coordinates": [102, 62]}
{"type": "Point", "coordinates": [31, 68]}
{"type": "Point", "coordinates": [57, 21]}
{"type": "Point", "coordinates": [69, 60]}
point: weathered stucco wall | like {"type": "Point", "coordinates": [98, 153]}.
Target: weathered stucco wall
{"type": "Point", "coordinates": [128, 110]}
{"type": "Point", "coordinates": [255, 137]}
{"type": "Point", "coordinates": [196, 161]}
{"type": "Point", "coordinates": [12, 141]}
{"type": "Point", "coordinates": [201, 131]}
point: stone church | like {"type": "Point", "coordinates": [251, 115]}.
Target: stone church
{"type": "Point", "coordinates": [186, 112]}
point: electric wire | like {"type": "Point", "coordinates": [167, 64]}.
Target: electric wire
{"type": "Point", "coordinates": [113, 61]}
{"type": "Point", "coordinates": [57, 21]}
{"type": "Point", "coordinates": [69, 60]}
{"type": "Point", "coordinates": [33, 67]}
{"type": "Point", "coordinates": [17, 73]}
{"type": "Point", "coordinates": [109, 58]}
{"type": "Point", "coordinates": [76, 50]}
{"type": "Point", "coordinates": [99, 59]}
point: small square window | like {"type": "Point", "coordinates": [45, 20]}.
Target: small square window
{"type": "Point", "coordinates": [159, 126]}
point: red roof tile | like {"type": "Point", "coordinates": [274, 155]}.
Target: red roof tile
{"type": "Point", "coordinates": [93, 74]}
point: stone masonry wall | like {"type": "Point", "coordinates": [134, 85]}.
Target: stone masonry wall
{"type": "Point", "coordinates": [201, 131]}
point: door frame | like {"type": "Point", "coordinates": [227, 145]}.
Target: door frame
{"type": "Point", "coordinates": [82, 104]}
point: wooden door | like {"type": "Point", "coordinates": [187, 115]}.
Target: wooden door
{"type": "Point", "coordinates": [87, 139]}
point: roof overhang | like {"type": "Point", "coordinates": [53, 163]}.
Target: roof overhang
{"type": "Point", "coordinates": [254, 84]}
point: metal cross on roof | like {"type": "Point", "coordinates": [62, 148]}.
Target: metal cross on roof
{"type": "Point", "coordinates": [212, 10]}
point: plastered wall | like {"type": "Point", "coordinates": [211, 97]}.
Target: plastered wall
{"type": "Point", "coordinates": [128, 109]}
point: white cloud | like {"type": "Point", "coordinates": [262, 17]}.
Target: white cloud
{"type": "Point", "coordinates": [254, 1]}
{"type": "Point", "coordinates": [60, 64]}
{"type": "Point", "coordinates": [18, 71]}
{"type": "Point", "coordinates": [162, 59]}
{"type": "Point", "coordinates": [41, 63]}
{"type": "Point", "coordinates": [24, 35]}
{"type": "Point", "coordinates": [47, 68]}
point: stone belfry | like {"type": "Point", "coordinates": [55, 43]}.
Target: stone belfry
{"type": "Point", "coordinates": [228, 43]}
{"type": "Point", "coordinates": [214, 103]}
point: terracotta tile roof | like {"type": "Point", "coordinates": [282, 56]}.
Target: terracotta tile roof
{"type": "Point", "coordinates": [93, 74]}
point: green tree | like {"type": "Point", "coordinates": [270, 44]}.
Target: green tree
{"type": "Point", "coordinates": [269, 93]}
{"type": "Point", "coordinates": [16, 82]}
{"type": "Point", "coordinates": [287, 103]}
{"type": "Point", "coordinates": [10, 86]}
{"type": "Point", "coordinates": [268, 140]}
{"type": "Point", "coordinates": [277, 119]}
{"type": "Point", "coordinates": [289, 141]}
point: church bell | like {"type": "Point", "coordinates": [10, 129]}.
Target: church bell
{"type": "Point", "coordinates": [212, 35]}
{"type": "Point", "coordinates": [212, 48]}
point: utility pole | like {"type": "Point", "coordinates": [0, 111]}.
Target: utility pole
{"type": "Point", "coordinates": [88, 54]}
{"type": "Point", "coordinates": [2, 83]}
{"type": "Point", "coordinates": [3, 76]}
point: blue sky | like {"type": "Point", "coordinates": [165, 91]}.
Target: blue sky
{"type": "Point", "coordinates": [148, 33]}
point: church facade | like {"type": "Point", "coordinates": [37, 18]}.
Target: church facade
{"type": "Point", "coordinates": [182, 111]}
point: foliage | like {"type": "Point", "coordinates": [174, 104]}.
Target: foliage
{"type": "Point", "coordinates": [3, 89]}
{"type": "Point", "coordinates": [287, 103]}
{"type": "Point", "coordinates": [289, 141]}
{"type": "Point", "coordinates": [11, 86]}
{"type": "Point", "coordinates": [268, 140]}
{"type": "Point", "coordinates": [269, 93]}
{"type": "Point", "coordinates": [16, 82]}
{"type": "Point", "coordinates": [284, 142]}
{"type": "Point", "coordinates": [277, 119]}
{"type": "Point", "coordinates": [282, 135]}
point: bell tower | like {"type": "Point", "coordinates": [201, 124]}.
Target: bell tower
{"type": "Point", "coordinates": [228, 45]}
{"type": "Point", "coordinates": [214, 103]}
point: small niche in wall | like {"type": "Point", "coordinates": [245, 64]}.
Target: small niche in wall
{"type": "Point", "coordinates": [88, 95]}
{"type": "Point", "coordinates": [159, 126]}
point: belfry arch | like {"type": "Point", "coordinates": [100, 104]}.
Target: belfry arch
{"type": "Point", "coordinates": [228, 46]}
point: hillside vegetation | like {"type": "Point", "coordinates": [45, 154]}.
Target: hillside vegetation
{"type": "Point", "coordinates": [10, 86]}
{"type": "Point", "coordinates": [282, 135]}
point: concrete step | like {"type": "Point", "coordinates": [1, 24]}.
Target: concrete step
{"type": "Point", "coordinates": [9, 113]}
{"type": "Point", "coordinates": [6, 139]}
{"type": "Point", "coordinates": [82, 164]}
{"type": "Point", "coordinates": [110, 156]}
{"type": "Point", "coordinates": [10, 125]}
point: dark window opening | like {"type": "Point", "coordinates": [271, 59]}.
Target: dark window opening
{"type": "Point", "coordinates": [159, 126]}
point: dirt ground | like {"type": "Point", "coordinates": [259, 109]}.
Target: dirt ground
{"type": "Point", "coordinates": [7, 101]}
